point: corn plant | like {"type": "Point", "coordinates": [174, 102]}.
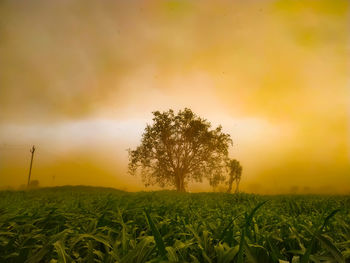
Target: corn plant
{"type": "Point", "coordinates": [82, 224]}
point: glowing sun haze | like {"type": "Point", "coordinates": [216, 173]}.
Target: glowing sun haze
{"type": "Point", "coordinates": [79, 79]}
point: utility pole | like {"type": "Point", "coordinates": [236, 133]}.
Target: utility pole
{"type": "Point", "coordinates": [31, 164]}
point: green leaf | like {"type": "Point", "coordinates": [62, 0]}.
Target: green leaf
{"type": "Point", "coordinates": [61, 252]}
{"type": "Point", "coordinates": [331, 248]}
{"type": "Point", "coordinates": [156, 234]}
{"type": "Point", "coordinates": [171, 255]}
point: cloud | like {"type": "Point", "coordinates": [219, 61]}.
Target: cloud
{"type": "Point", "coordinates": [77, 73]}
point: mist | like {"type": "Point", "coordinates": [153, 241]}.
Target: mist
{"type": "Point", "coordinates": [80, 79]}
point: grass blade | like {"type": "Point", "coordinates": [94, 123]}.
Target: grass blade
{"type": "Point", "coordinates": [156, 235]}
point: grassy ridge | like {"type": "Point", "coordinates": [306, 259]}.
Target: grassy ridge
{"type": "Point", "coordinates": [82, 224]}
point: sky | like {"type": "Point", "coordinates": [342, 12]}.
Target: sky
{"type": "Point", "coordinates": [80, 79]}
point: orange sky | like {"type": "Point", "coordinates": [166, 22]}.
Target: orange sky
{"type": "Point", "coordinates": [79, 79]}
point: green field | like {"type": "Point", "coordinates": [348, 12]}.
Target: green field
{"type": "Point", "coordinates": [82, 224]}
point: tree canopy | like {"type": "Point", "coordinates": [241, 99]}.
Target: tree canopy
{"type": "Point", "coordinates": [178, 148]}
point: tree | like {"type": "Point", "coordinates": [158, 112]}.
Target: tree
{"type": "Point", "coordinates": [177, 149]}
{"type": "Point", "coordinates": [235, 174]}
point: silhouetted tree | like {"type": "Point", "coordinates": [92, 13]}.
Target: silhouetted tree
{"type": "Point", "coordinates": [177, 149]}
{"type": "Point", "coordinates": [235, 174]}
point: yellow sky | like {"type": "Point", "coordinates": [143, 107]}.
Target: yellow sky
{"type": "Point", "coordinates": [79, 79]}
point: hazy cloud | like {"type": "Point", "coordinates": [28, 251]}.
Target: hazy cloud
{"type": "Point", "coordinates": [83, 77]}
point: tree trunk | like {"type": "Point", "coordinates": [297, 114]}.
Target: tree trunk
{"type": "Point", "coordinates": [230, 185]}
{"type": "Point", "coordinates": [179, 183]}
{"type": "Point", "coordinates": [182, 188]}
{"type": "Point", "coordinates": [237, 185]}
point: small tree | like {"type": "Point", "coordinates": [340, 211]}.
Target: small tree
{"type": "Point", "coordinates": [235, 174]}
{"type": "Point", "coordinates": [177, 149]}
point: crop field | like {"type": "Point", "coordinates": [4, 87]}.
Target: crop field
{"type": "Point", "coordinates": [82, 224]}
